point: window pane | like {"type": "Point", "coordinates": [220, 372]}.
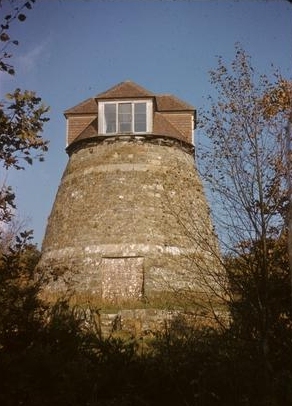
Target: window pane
{"type": "Point", "coordinates": [125, 117]}
{"type": "Point", "coordinates": [110, 118]}
{"type": "Point", "coordinates": [140, 117]}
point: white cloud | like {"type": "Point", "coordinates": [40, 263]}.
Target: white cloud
{"type": "Point", "coordinates": [29, 61]}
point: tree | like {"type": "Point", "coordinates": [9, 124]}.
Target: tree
{"type": "Point", "coordinates": [15, 13]}
{"type": "Point", "coordinates": [22, 116]}
{"type": "Point", "coordinates": [277, 100]}
{"type": "Point", "coordinates": [21, 308]}
{"type": "Point", "coordinates": [244, 164]}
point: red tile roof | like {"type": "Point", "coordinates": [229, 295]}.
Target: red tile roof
{"type": "Point", "coordinates": [125, 89]}
{"type": "Point", "coordinates": [90, 131]}
{"type": "Point", "coordinates": [88, 106]}
{"type": "Point", "coordinates": [130, 90]}
{"type": "Point", "coordinates": [165, 121]}
{"type": "Point", "coordinates": [168, 102]}
{"type": "Point", "coordinates": [162, 126]}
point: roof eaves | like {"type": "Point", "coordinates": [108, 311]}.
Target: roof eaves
{"type": "Point", "coordinates": [88, 106]}
{"type": "Point", "coordinates": [168, 102]}
{"type": "Point", "coordinates": [169, 128]}
{"type": "Point", "coordinates": [88, 132]}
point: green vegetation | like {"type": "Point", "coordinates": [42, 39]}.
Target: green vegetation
{"type": "Point", "coordinates": [22, 115]}
{"type": "Point", "coordinates": [55, 355]}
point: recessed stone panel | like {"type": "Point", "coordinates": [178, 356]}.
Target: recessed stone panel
{"type": "Point", "coordinates": [122, 279]}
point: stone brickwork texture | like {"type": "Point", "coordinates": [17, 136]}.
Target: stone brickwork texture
{"type": "Point", "coordinates": [130, 221]}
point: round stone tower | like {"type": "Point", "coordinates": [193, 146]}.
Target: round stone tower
{"type": "Point", "coordinates": [130, 220]}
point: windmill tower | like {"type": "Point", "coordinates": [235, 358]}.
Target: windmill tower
{"type": "Point", "coordinates": [130, 220]}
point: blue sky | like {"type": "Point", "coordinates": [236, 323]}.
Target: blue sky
{"type": "Point", "coordinates": [73, 49]}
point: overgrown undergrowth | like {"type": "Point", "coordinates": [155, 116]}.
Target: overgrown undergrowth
{"type": "Point", "coordinates": [62, 360]}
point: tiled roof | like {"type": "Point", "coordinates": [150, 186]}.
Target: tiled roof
{"type": "Point", "coordinates": [90, 131]}
{"type": "Point", "coordinates": [168, 102]}
{"type": "Point", "coordinates": [166, 121]}
{"type": "Point", "coordinates": [125, 89]}
{"type": "Point", "coordinates": [88, 106]}
{"type": "Point", "coordinates": [162, 126]}
{"type": "Point", "coordinates": [130, 90]}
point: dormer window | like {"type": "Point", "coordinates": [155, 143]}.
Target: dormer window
{"type": "Point", "coordinates": [125, 117]}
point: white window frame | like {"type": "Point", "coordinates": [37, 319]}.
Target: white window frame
{"type": "Point", "coordinates": [101, 118]}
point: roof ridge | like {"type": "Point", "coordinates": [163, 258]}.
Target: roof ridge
{"type": "Point", "coordinates": [111, 88]}
{"type": "Point", "coordinates": [114, 89]}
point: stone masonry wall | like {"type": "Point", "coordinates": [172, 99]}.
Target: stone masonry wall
{"type": "Point", "coordinates": [130, 221]}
